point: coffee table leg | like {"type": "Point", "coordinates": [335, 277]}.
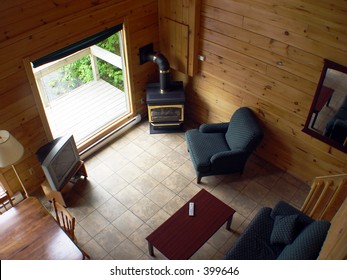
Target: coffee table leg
{"type": "Point", "coordinates": [228, 227]}
{"type": "Point", "coordinates": [150, 249]}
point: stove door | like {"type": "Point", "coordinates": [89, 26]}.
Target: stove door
{"type": "Point", "coordinates": [166, 113]}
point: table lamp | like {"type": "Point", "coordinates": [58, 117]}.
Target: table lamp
{"type": "Point", "coordinates": [10, 152]}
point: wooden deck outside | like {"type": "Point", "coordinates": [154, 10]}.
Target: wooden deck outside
{"type": "Point", "coordinates": [86, 109]}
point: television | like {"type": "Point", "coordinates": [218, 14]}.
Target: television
{"type": "Point", "coordinates": [58, 159]}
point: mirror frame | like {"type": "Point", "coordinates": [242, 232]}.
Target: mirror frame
{"type": "Point", "coordinates": [328, 64]}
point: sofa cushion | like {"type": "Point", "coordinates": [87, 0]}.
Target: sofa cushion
{"type": "Point", "coordinates": [308, 243]}
{"type": "Point", "coordinates": [283, 208]}
{"type": "Point", "coordinates": [284, 229]}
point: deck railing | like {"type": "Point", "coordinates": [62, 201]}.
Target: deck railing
{"type": "Point", "coordinates": [94, 52]}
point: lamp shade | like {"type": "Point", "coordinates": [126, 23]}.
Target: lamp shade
{"type": "Point", "coordinates": [10, 149]}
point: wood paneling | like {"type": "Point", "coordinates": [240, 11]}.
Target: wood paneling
{"type": "Point", "coordinates": [179, 22]}
{"type": "Point", "coordinates": [268, 55]}
{"type": "Point", "coordinates": [31, 29]}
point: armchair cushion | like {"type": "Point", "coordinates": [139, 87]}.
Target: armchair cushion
{"type": "Point", "coordinates": [284, 229]}
{"type": "Point", "coordinates": [205, 146]}
{"type": "Point", "coordinates": [243, 131]}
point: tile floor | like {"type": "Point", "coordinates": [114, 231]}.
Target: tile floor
{"type": "Point", "coordinates": [139, 180]}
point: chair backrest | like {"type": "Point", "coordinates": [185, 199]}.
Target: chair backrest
{"type": "Point", "coordinates": [65, 219]}
{"type": "Point", "coordinates": [244, 132]}
{"type": "Point", "coordinates": [5, 200]}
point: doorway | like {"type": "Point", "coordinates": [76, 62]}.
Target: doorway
{"type": "Point", "coordinates": [85, 93]}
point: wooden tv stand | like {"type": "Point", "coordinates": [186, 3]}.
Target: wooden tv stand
{"type": "Point", "coordinates": [79, 170]}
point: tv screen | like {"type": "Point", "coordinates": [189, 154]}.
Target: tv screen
{"type": "Point", "coordinates": [58, 159]}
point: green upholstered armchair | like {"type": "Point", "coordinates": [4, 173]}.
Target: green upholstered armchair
{"type": "Point", "coordinates": [223, 148]}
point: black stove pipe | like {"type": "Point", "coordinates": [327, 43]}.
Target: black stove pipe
{"type": "Point", "coordinates": [164, 70]}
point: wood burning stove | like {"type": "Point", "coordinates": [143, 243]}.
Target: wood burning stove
{"type": "Point", "coordinates": [165, 100]}
{"type": "Point", "coordinates": [165, 110]}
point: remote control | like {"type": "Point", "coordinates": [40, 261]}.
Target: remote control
{"type": "Point", "coordinates": [191, 208]}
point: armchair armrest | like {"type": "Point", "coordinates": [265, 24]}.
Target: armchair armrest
{"type": "Point", "coordinates": [214, 127]}
{"type": "Point", "coordinates": [229, 160]}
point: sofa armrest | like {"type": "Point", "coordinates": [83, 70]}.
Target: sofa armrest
{"type": "Point", "coordinates": [214, 127]}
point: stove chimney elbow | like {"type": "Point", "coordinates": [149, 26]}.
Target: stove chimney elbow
{"type": "Point", "coordinates": [164, 70]}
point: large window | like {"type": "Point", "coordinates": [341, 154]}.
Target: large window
{"type": "Point", "coordinates": [84, 91]}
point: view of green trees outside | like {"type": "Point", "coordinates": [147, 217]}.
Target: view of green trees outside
{"type": "Point", "coordinates": [80, 71]}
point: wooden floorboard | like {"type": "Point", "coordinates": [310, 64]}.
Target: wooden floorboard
{"type": "Point", "coordinates": [86, 109]}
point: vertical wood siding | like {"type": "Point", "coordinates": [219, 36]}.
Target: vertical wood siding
{"type": "Point", "coordinates": [33, 28]}
{"type": "Point", "coordinates": [268, 55]}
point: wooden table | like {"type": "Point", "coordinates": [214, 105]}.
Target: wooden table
{"type": "Point", "coordinates": [182, 235]}
{"type": "Point", "coordinates": [28, 231]}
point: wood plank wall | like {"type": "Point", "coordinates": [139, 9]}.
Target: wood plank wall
{"type": "Point", "coordinates": [33, 28]}
{"type": "Point", "coordinates": [268, 55]}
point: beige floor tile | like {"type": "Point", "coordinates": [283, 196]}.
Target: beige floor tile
{"type": "Point", "coordinates": [97, 196]}
{"type": "Point", "coordinates": [144, 161]}
{"type": "Point", "coordinates": [139, 237]}
{"type": "Point", "coordinates": [174, 204]}
{"type": "Point", "coordinates": [174, 160]}
{"type": "Point", "coordinates": [130, 172]}
{"type": "Point", "coordinates": [128, 196]}
{"type": "Point", "coordinates": [255, 191]}
{"type": "Point", "coordinates": [120, 143]}
{"type": "Point", "coordinates": [160, 195]}
{"type": "Point", "coordinates": [127, 250]}
{"type": "Point", "coordinates": [243, 205]}
{"type": "Point", "coordinates": [144, 141]}
{"type": "Point", "coordinates": [100, 173]}
{"type": "Point", "coordinates": [145, 183]}
{"type": "Point", "coordinates": [127, 223]}
{"type": "Point", "coordinates": [79, 207]}
{"type": "Point", "coordinates": [183, 150]}
{"type": "Point", "coordinates": [159, 150]}
{"type": "Point", "coordinates": [131, 151]}
{"type": "Point", "coordinates": [158, 218]}
{"type": "Point", "coordinates": [81, 235]}
{"type": "Point", "coordinates": [112, 209]}
{"type": "Point", "coordinates": [94, 250]}
{"type": "Point", "coordinates": [206, 252]}
{"type": "Point", "coordinates": [284, 189]}
{"type": "Point", "coordinates": [109, 238]}
{"type": "Point", "coordinates": [116, 161]}
{"type": "Point", "coordinates": [114, 184]}
{"type": "Point", "coordinates": [172, 140]}
{"type": "Point", "coordinates": [225, 192]}
{"type": "Point", "coordinates": [159, 171]}
{"type": "Point", "coordinates": [188, 192]}
{"type": "Point", "coordinates": [145, 209]}
{"type": "Point", "coordinates": [187, 170]}
{"type": "Point", "coordinates": [94, 223]}
{"type": "Point", "coordinates": [176, 182]}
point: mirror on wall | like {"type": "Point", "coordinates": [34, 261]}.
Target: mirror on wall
{"type": "Point", "coordinates": [327, 119]}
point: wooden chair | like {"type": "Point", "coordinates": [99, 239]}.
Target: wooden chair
{"type": "Point", "coordinates": [67, 223]}
{"type": "Point", "coordinates": [5, 200]}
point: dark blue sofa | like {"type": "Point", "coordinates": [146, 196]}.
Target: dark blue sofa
{"type": "Point", "coordinates": [282, 233]}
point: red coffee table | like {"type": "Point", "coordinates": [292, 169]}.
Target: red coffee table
{"type": "Point", "coordinates": [181, 235]}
